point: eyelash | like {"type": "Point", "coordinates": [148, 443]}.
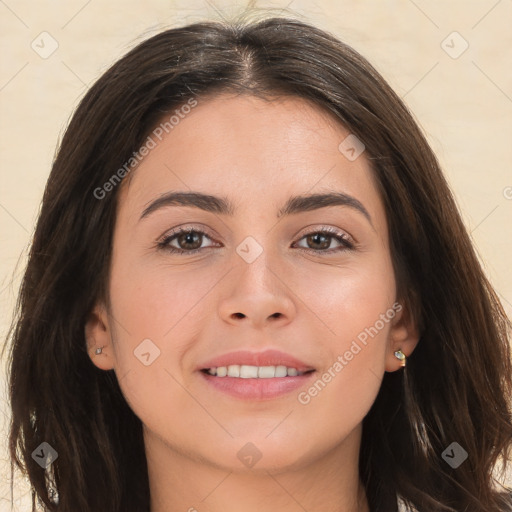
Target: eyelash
{"type": "Point", "coordinates": [342, 238]}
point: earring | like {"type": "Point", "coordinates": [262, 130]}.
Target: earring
{"type": "Point", "coordinates": [401, 356]}
{"type": "Point", "coordinates": [99, 350]}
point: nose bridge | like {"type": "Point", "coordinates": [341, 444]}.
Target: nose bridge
{"type": "Point", "coordinates": [255, 267]}
{"type": "Point", "coordinates": [257, 290]}
{"type": "Point", "coordinates": [256, 270]}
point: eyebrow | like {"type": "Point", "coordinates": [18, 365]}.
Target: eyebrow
{"type": "Point", "coordinates": [223, 206]}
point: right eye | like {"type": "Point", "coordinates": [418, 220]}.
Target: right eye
{"type": "Point", "coordinates": [183, 236]}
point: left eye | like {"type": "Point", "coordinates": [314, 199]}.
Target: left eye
{"type": "Point", "coordinates": [324, 237]}
{"type": "Point", "coordinates": [190, 240]}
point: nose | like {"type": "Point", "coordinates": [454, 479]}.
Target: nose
{"type": "Point", "coordinates": [257, 294]}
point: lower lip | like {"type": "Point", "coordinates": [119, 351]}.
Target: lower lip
{"type": "Point", "coordinates": [257, 389]}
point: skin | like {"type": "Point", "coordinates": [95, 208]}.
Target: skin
{"type": "Point", "coordinates": [256, 153]}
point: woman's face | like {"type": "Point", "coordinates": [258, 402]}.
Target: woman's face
{"type": "Point", "coordinates": [264, 278]}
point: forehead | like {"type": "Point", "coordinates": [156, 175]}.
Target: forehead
{"type": "Point", "coordinates": [255, 151]}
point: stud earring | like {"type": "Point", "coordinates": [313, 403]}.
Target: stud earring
{"type": "Point", "coordinates": [99, 350]}
{"type": "Point", "coordinates": [401, 356]}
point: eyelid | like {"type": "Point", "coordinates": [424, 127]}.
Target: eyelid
{"type": "Point", "coordinates": [341, 236]}
{"type": "Point", "coordinates": [327, 229]}
{"type": "Point", "coordinates": [199, 228]}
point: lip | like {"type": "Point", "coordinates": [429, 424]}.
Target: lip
{"type": "Point", "coordinates": [257, 390]}
{"type": "Point", "coordinates": [265, 358]}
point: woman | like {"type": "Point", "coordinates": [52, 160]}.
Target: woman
{"type": "Point", "coordinates": [250, 288]}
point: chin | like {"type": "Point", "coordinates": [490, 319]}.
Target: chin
{"type": "Point", "coordinates": [259, 453]}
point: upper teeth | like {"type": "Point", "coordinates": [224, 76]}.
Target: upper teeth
{"type": "Point", "coordinates": [253, 372]}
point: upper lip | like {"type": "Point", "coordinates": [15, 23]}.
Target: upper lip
{"type": "Point", "coordinates": [265, 358]}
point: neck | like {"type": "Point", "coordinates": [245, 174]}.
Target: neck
{"type": "Point", "coordinates": [183, 482]}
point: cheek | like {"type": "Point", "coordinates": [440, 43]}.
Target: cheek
{"type": "Point", "coordinates": [157, 319]}
{"type": "Point", "coordinates": [355, 310]}
{"type": "Point", "coordinates": [156, 301]}
{"type": "Point", "coordinates": [159, 313]}
{"type": "Point", "coordinates": [346, 299]}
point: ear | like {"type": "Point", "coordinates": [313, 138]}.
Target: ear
{"type": "Point", "coordinates": [98, 335]}
{"type": "Point", "coordinates": [403, 335]}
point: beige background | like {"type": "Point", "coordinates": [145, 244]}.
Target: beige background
{"type": "Point", "coordinates": [463, 102]}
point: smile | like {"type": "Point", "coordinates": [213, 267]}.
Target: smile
{"type": "Point", "coordinates": [254, 372]}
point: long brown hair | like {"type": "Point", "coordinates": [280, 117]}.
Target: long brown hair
{"type": "Point", "coordinates": [458, 381]}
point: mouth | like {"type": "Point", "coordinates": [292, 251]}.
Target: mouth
{"type": "Point", "coordinates": [254, 372]}
{"type": "Point", "coordinates": [256, 376]}
{"type": "Point", "coordinates": [247, 364]}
